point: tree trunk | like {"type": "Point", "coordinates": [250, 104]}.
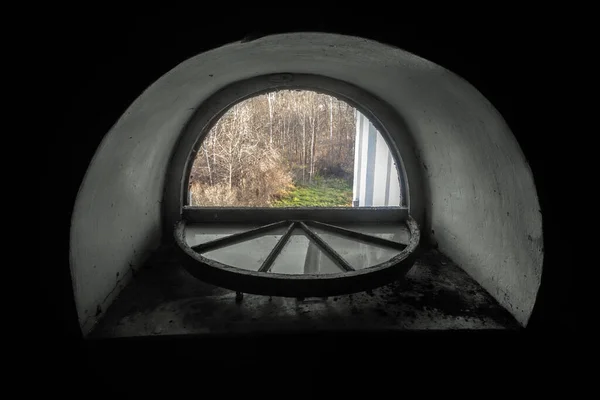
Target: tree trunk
{"type": "Point", "coordinates": [230, 176]}
{"type": "Point", "coordinates": [230, 164]}
{"type": "Point", "coordinates": [303, 146]}
{"type": "Point", "coordinates": [214, 142]}
{"type": "Point", "coordinates": [330, 130]}
{"type": "Point", "coordinates": [270, 118]}
{"type": "Point", "coordinates": [208, 165]}
{"type": "Point", "coordinates": [282, 138]}
{"type": "Point", "coordinates": [287, 136]}
{"type": "Point", "coordinates": [312, 151]}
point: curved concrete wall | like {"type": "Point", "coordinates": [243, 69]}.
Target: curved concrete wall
{"type": "Point", "coordinates": [478, 195]}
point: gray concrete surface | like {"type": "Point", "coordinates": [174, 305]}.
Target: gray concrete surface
{"type": "Point", "coordinates": [165, 300]}
{"type": "Point", "coordinates": [479, 197]}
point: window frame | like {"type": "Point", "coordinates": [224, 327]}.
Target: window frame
{"type": "Point", "coordinates": [297, 285]}
{"type": "Point", "coordinates": [178, 213]}
{"type": "Point", "coordinates": [176, 191]}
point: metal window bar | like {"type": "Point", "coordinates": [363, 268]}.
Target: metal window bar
{"type": "Point", "coordinates": [236, 238]}
{"type": "Point", "coordinates": [358, 235]}
{"type": "Point", "coordinates": [328, 249]}
{"type": "Point", "coordinates": [266, 265]}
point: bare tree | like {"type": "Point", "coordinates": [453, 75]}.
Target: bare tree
{"type": "Point", "coordinates": [261, 144]}
{"type": "Point", "coordinates": [269, 95]}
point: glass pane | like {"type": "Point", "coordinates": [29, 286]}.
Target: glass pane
{"type": "Point", "coordinates": [358, 254]}
{"type": "Point", "coordinates": [294, 148]}
{"type": "Point", "coordinates": [249, 254]}
{"type": "Point", "coordinates": [301, 256]}
{"type": "Point", "coordinates": [202, 233]}
{"type": "Point", "coordinates": [395, 232]}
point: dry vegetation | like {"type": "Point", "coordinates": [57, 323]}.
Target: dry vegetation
{"type": "Point", "coordinates": [286, 148]}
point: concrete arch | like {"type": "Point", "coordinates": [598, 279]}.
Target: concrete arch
{"type": "Point", "coordinates": [478, 196]}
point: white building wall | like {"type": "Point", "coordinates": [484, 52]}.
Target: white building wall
{"type": "Point", "coordinates": [375, 175]}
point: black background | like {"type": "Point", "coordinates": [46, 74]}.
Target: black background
{"type": "Point", "coordinates": [97, 65]}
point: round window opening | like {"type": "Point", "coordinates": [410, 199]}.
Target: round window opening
{"type": "Point", "coordinates": [294, 187]}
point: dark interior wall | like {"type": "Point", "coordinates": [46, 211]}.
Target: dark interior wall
{"type": "Point", "coordinates": [98, 72]}
{"type": "Point", "coordinates": [481, 197]}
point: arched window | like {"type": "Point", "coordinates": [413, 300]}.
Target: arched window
{"type": "Point", "coordinates": [292, 185]}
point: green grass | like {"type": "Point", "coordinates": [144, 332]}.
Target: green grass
{"type": "Point", "coordinates": [322, 193]}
